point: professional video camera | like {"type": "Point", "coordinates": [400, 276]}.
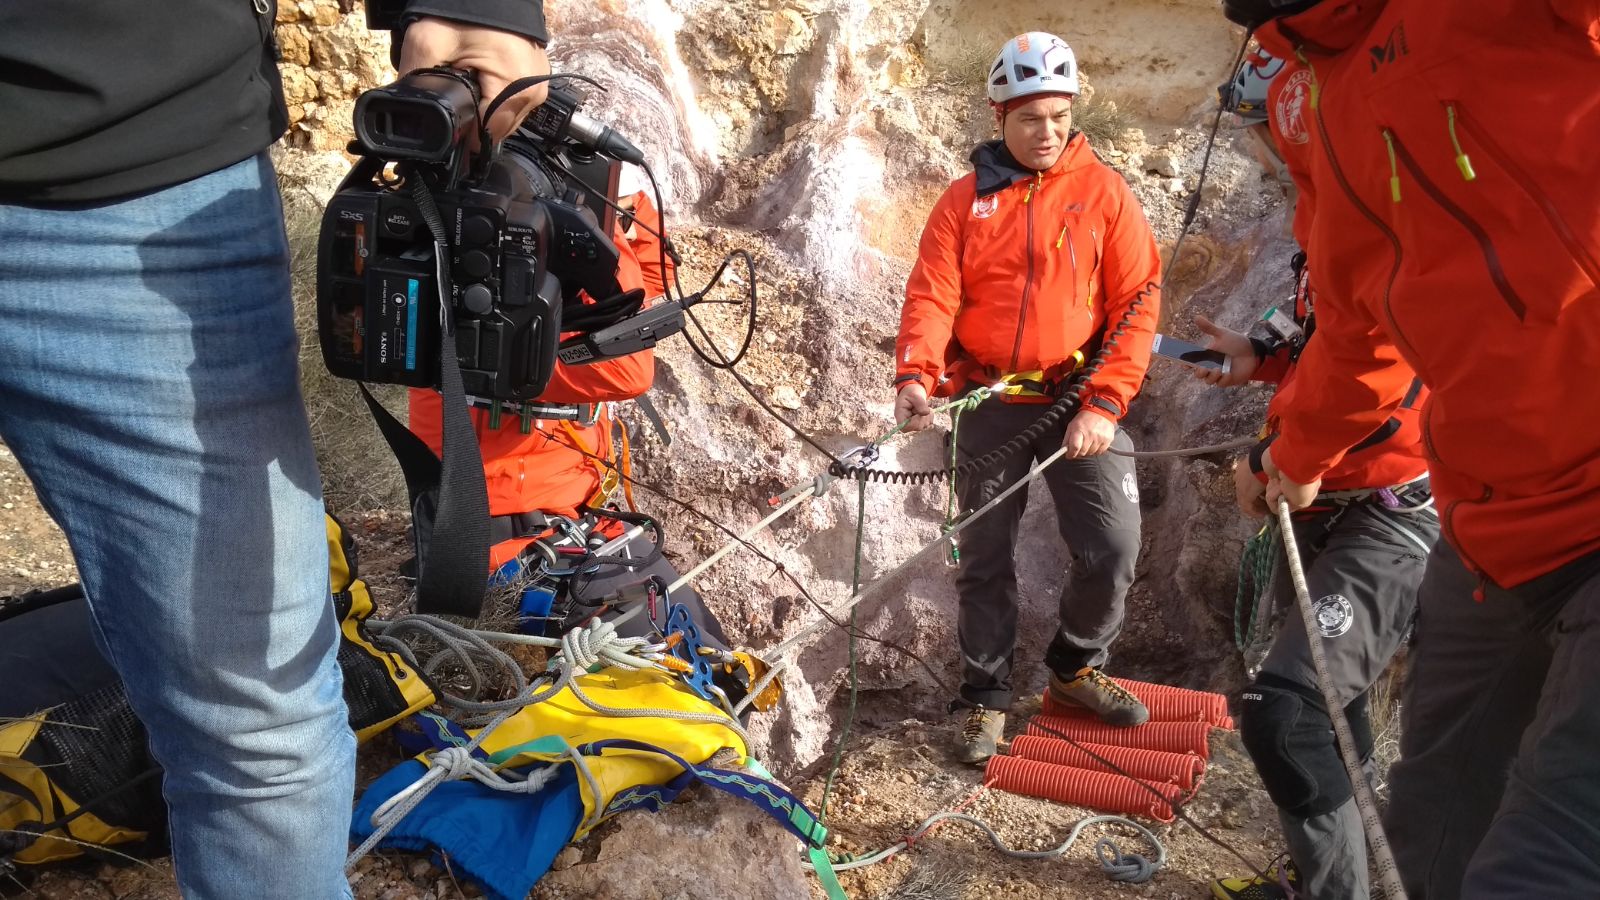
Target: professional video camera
{"type": "Point", "coordinates": [436, 230]}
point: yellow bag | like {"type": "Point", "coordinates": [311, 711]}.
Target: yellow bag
{"type": "Point", "coordinates": [379, 686]}
{"type": "Point", "coordinates": [544, 732]}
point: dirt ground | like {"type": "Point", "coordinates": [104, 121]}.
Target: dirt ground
{"type": "Point", "coordinates": [897, 772]}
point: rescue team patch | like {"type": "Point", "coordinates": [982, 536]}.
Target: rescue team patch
{"type": "Point", "coordinates": [984, 207]}
{"type": "Point", "coordinates": [1334, 615]}
{"type": "Point", "coordinates": [1130, 487]}
{"type": "Point", "coordinates": [1289, 113]}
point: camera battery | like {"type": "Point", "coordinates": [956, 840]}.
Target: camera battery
{"type": "Point", "coordinates": [402, 320]}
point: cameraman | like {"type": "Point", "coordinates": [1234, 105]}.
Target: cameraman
{"type": "Point", "coordinates": [149, 389]}
{"type": "Point", "coordinates": [569, 453]}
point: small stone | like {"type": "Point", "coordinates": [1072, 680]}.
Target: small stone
{"type": "Point", "coordinates": [786, 397]}
{"type": "Point", "coordinates": [1162, 163]}
{"type": "Point", "coordinates": [907, 778]}
{"type": "Point", "coordinates": [418, 868]}
{"type": "Point", "coordinates": [10, 506]}
{"type": "Point", "coordinates": [326, 14]}
{"type": "Point", "coordinates": [1172, 185]}
{"type": "Point", "coordinates": [567, 858]}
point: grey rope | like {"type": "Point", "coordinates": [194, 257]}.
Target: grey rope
{"type": "Point", "coordinates": [1382, 858]}
{"type": "Point", "coordinates": [581, 649]}
{"type": "Point", "coordinates": [1130, 868]}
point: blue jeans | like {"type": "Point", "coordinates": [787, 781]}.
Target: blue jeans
{"type": "Point", "coordinates": [149, 387]}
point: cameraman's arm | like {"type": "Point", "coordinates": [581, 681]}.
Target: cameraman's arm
{"type": "Point", "coordinates": [502, 40]}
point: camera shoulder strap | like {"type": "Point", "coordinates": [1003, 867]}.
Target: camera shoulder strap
{"type": "Point", "coordinates": [449, 500]}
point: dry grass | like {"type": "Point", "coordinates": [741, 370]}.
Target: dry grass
{"type": "Point", "coordinates": [1100, 120]}
{"type": "Point", "coordinates": [358, 470]}
{"type": "Point", "coordinates": [966, 67]}
{"type": "Point", "coordinates": [933, 879]}
{"type": "Point", "coordinates": [1384, 708]}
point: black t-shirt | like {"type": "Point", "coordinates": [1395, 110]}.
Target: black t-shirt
{"type": "Point", "coordinates": [104, 99]}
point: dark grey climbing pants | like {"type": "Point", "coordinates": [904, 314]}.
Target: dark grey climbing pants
{"type": "Point", "coordinates": [1497, 792]}
{"type": "Point", "coordinates": [1097, 512]}
{"type": "Point", "coordinates": [1363, 565]}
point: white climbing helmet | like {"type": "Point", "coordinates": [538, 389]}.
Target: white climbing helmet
{"type": "Point", "coordinates": [1033, 63]}
{"type": "Point", "coordinates": [1245, 95]}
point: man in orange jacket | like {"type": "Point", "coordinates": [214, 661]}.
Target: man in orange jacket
{"type": "Point", "coordinates": [1364, 544]}
{"type": "Point", "coordinates": [1454, 189]}
{"type": "Point", "coordinates": [1028, 267]}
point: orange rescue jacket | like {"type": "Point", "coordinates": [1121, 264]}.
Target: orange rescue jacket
{"type": "Point", "coordinates": [1454, 185]}
{"type": "Point", "coordinates": [656, 266]}
{"type": "Point", "coordinates": [1392, 453]}
{"type": "Point", "coordinates": [1019, 270]}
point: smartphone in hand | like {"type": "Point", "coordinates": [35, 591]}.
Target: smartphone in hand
{"type": "Point", "coordinates": [1191, 354]}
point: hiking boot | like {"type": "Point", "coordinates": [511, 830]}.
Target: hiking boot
{"type": "Point", "coordinates": [980, 736]}
{"type": "Point", "coordinates": [1093, 691]}
{"type": "Point", "coordinates": [1260, 887]}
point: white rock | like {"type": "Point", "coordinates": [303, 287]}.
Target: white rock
{"type": "Point", "coordinates": [1162, 163]}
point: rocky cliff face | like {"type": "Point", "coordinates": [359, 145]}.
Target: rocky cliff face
{"type": "Point", "coordinates": [817, 134]}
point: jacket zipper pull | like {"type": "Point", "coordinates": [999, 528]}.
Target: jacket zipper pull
{"type": "Point", "coordinates": [1061, 237]}
{"type": "Point", "coordinates": [1316, 87]}
{"type": "Point", "coordinates": [1478, 592]}
{"type": "Point", "coordinates": [1094, 240]}
{"type": "Point", "coordinates": [1463, 162]}
{"type": "Point", "coordinates": [1394, 169]}
{"type": "Point", "coordinates": [261, 7]}
{"type": "Point", "coordinates": [1037, 178]}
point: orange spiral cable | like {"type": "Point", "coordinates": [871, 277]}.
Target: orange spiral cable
{"type": "Point", "coordinates": [1171, 737]}
{"type": "Point", "coordinates": [1180, 769]}
{"type": "Point", "coordinates": [1081, 787]}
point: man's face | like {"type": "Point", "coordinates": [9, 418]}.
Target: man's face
{"type": "Point", "coordinates": [1036, 132]}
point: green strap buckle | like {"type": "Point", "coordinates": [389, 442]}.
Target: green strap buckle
{"type": "Point", "coordinates": [816, 832]}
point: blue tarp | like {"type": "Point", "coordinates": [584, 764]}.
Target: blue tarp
{"type": "Point", "coordinates": [503, 842]}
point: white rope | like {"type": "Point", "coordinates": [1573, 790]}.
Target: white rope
{"type": "Point", "coordinates": [595, 644]}
{"type": "Point", "coordinates": [1382, 858]}
{"type": "Point", "coordinates": [1038, 469]}
{"type": "Point", "coordinates": [1130, 868]}
{"type": "Point", "coordinates": [774, 656]}
{"type": "Point", "coordinates": [805, 494]}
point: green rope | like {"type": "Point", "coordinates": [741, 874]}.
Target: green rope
{"type": "Point", "coordinates": [855, 587]}
{"type": "Point", "coordinates": [955, 408]}
{"type": "Point", "coordinates": [965, 404]}
{"type": "Point", "coordinates": [1255, 573]}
